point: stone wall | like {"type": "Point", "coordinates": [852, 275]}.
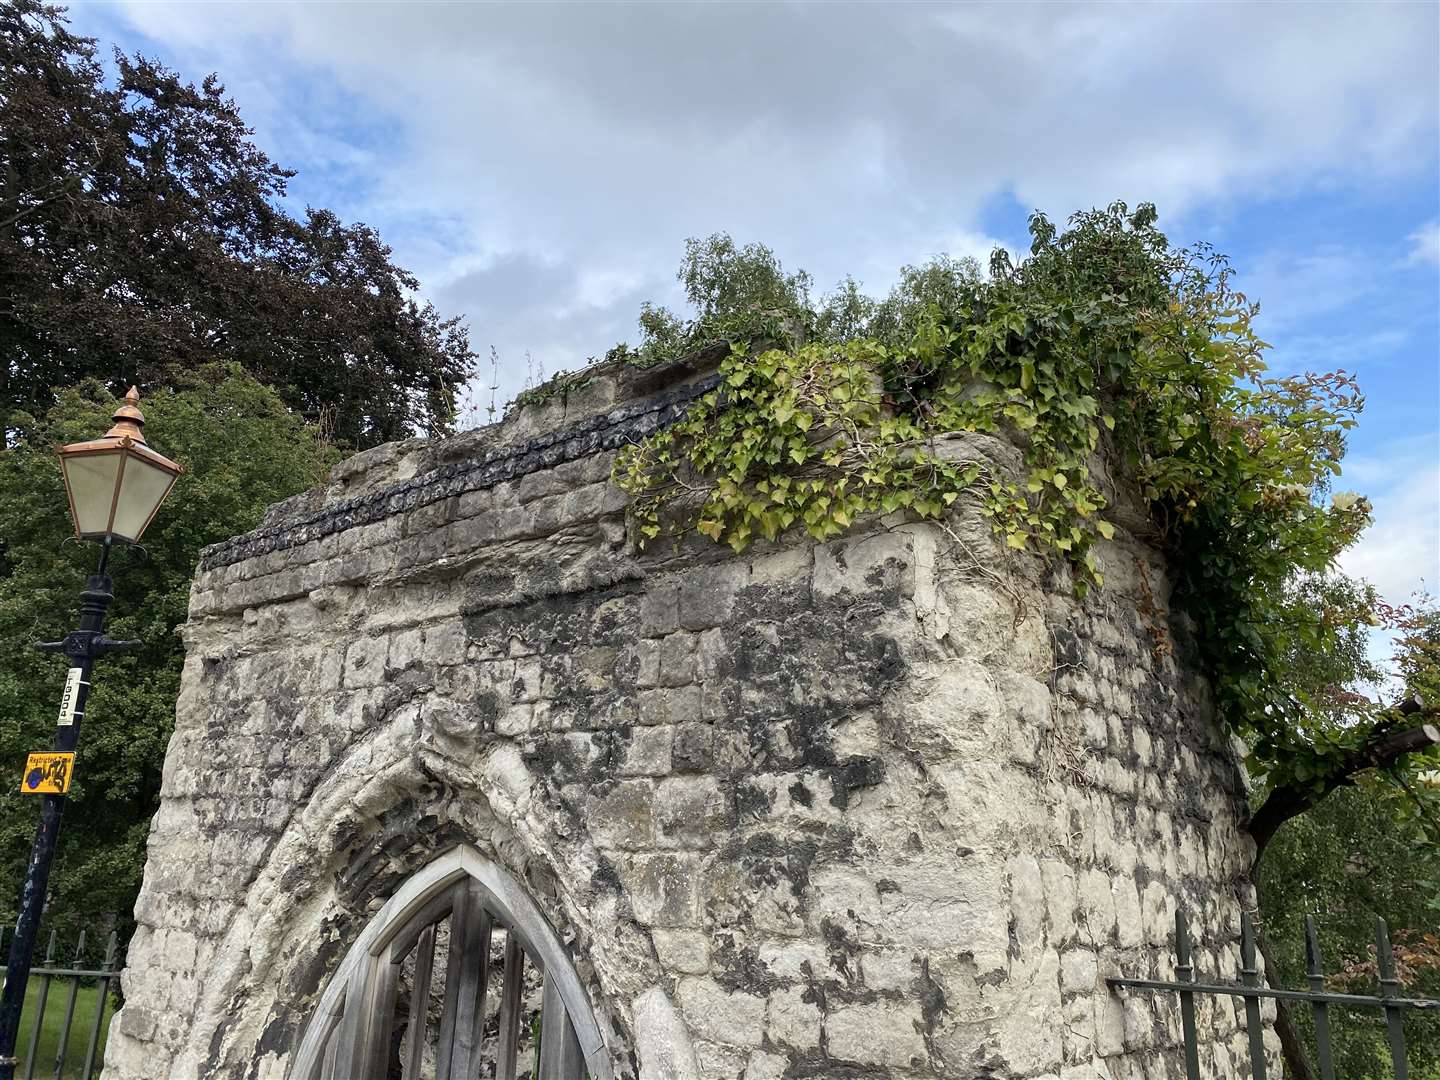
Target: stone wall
{"type": "Point", "coordinates": [893, 805]}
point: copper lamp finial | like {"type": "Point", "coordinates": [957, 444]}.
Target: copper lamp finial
{"type": "Point", "coordinates": [129, 420]}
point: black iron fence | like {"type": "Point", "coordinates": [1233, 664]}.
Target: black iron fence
{"type": "Point", "coordinates": [1390, 999]}
{"type": "Point", "coordinates": [67, 1008]}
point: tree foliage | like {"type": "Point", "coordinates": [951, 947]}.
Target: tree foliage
{"type": "Point", "coordinates": [144, 238]}
{"type": "Point", "coordinates": [242, 449]}
{"type": "Point", "coordinates": [1370, 847]}
{"type": "Point", "coordinates": [141, 231]}
{"type": "Point", "coordinates": [1348, 860]}
{"type": "Point", "coordinates": [729, 287]}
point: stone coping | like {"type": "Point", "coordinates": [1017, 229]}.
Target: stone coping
{"type": "Point", "coordinates": [606, 431]}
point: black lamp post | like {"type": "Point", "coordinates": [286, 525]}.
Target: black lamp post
{"type": "Point", "coordinates": [115, 485]}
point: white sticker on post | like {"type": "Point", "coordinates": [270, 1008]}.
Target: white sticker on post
{"type": "Point", "coordinates": [70, 698]}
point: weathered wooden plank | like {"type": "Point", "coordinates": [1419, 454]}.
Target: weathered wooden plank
{"type": "Point", "coordinates": [460, 914]}
{"type": "Point", "coordinates": [433, 912]}
{"type": "Point", "coordinates": [512, 1005]}
{"type": "Point", "coordinates": [332, 1051]}
{"type": "Point", "coordinates": [375, 1050]}
{"type": "Point", "coordinates": [449, 887]}
{"type": "Point", "coordinates": [524, 919]}
{"type": "Point", "coordinates": [472, 940]}
{"type": "Point", "coordinates": [420, 1002]}
{"type": "Point", "coordinates": [560, 1055]}
{"type": "Point", "coordinates": [365, 1030]}
{"type": "Point", "coordinates": [353, 1024]}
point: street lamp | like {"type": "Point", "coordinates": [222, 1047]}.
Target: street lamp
{"type": "Point", "coordinates": [115, 484]}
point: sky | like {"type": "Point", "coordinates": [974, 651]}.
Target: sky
{"type": "Point", "coordinates": [539, 166]}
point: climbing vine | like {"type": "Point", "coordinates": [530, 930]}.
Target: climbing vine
{"type": "Point", "coordinates": [1106, 343]}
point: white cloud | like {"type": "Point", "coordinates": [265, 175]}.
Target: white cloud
{"type": "Point", "coordinates": [575, 146]}
{"type": "Point", "coordinates": [1296, 286]}
{"type": "Point", "coordinates": [1425, 244]}
{"type": "Point", "coordinates": [1400, 553]}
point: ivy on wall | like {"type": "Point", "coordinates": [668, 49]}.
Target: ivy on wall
{"type": "Point", "coordinates": [1106, 343]}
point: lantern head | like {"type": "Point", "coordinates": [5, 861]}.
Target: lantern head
{"type": "Point", "coordinates": [116, 483]}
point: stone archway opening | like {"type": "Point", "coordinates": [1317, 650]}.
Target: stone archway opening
{"type": "Point", "coordinates": [458, 976]}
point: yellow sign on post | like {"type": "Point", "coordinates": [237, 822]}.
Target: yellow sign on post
{"type": "Point", "coordinates": [48, 773]}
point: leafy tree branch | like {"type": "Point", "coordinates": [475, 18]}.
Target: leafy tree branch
{"type": "Point", "coordinates": [1408, 728]}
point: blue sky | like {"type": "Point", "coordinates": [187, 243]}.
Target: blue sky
{"type": "Point", "coordinates": [539, 166]}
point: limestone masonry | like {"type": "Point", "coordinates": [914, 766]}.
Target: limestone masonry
{"type": "Point", "coordinates": [889, 806]}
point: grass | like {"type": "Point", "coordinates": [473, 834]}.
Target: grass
{"type": "Point", "coordinates": [46, 1050]}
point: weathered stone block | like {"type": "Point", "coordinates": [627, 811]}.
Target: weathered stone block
{"type": "Point", "coordinates": [1027, 903]}
{"type": "Point", "coordinates": [675, 706]}
{"type": "Point", "coordinates": [876, 564]}
{"type": "Point", "coordinates": [1079, 971]}
{"type": "Point", "coordinates": [682, 951]}
{"type": "Point", "coordinates": [1097, 908]}
{"type": "Point", "coordinates": [406, 649]}
{"type": "Point", "coordinates": [663, 889]}
{"type": "Point", "coordinates": [513, 721]}
{"type": "Point", "coordinates": [677, 659]}
{"type": "Point", "coordinates": [365, 661]}
{"type": "Point", "coordinates": [733, 1018]}
{"type": "Point", "coordinates": [621, 815]}
{"type": "Point", "coordinates": [691, 811]}
{"type": "Point", "coordinates": [793, 1018]}
{"type": "Point", "coordinates": [707, 595]}
{"type": "Point", "coordinates": [693, 747]}
{"type": "Point", "coordinates": [648, 752]}
{"type": "Point", "coordinates": [660, 608]}
{"type": "Point", "coordinates": [885, 1034]}
{"type": "Point", "coordinates": [766, 1066]}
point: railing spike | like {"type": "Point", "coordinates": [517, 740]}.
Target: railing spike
{"type": "Point", "coordinates": [1185, 973]}
{"type": "Point", "coordinates": [102, 999]}
{"type": "Point", "coordinates": [1319, 1010]}
{"type": "Point", "coordinates": [1250, 976]}
{"type": "Point", "coordinates": [40, 1002]}
{"type": "Point", "coordinates": [62, 1048]}
{"type": "Point", "coordinates": [1389, 989]}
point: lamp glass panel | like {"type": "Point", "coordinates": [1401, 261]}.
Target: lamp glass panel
{"type": "Point", "coordinates": [91, 480]}
{"type": "Point", "coordinates": [142, 489]}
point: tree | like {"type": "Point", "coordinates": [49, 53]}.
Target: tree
{"type": "Point", "coordinates": [142, 232]}
{"type": "Point", "coordinates": [1366, 843]}
{"type": "Point", "coordinates": [143, 237]}
{"type": "Point", "coordinates": [1347, 860]}
{"type": "Point", "coordinates": [1324, 663]}
{"type": "Point", "coordinates": [243, 449]}
{"type": "Point", "coordinates": [731, 288]}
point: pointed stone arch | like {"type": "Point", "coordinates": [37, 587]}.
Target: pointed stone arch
{"type": "Point", "coordinates": [350, 1034]}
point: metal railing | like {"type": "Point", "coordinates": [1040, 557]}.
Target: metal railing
{"type": "Point", "coordinates": [76, 980]}
{"type": "Point", "coordinates": [1252, 989]}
